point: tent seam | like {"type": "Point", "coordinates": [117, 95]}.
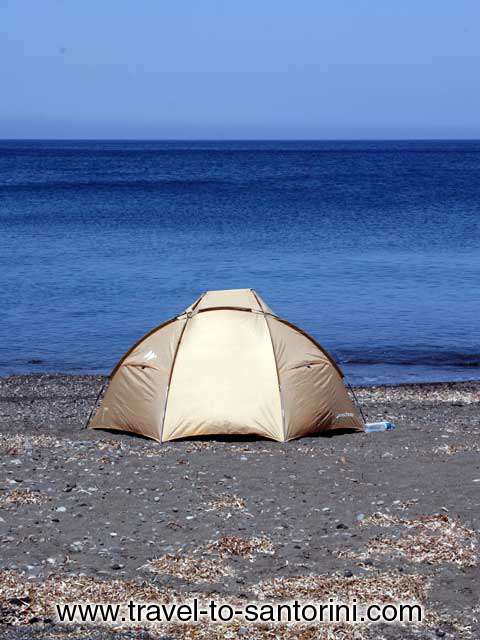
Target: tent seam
{"type": "Point", "coordinates": [282, 406]}
{"type": "Point", "coordinates": [173, 364]}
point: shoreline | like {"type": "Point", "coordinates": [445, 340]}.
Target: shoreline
{"type": "Point", "coordinates": [104, 376]}
{"type": "Point", "coordinates": [395, 512]}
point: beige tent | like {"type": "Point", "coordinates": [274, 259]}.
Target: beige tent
{"type": "Point", "coordinates": [227, 365]}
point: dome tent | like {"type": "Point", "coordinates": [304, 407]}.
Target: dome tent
{"type": "Point", "coordinates": [227, 365]}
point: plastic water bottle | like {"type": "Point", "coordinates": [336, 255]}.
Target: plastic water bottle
{"type": "Point", "coordinates": [372, 427]}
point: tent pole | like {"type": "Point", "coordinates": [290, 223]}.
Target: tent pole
{"type": "Point", "coordinates": [95, 404]}
{"type": "Point", "coordinates": [356, 402]}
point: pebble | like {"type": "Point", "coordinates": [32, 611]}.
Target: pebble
{"type": "Point", "coordinates": [61, 509]}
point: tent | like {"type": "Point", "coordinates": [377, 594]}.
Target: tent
{"type": "Point", "coordinates": [227, 365]}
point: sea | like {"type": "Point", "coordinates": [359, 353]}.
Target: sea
{"type": "Point", "coordinates": [373, 247]}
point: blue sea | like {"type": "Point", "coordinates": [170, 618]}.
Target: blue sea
{"type": "Point", "coordinates": [372, 247]}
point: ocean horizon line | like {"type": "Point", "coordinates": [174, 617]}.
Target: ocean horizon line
{"type": "Point", "coordinates": [230, 140]}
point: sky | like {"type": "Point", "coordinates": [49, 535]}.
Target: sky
{"type": "Point", "coordinates": [255, 69]}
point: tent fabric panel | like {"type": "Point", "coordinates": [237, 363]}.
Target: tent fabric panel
{"type": "Point", "coordinates": [316, 401]}
{"type": "Point", "coordinates": [314, 397]}
{"type": "Point", "coordinates": [135, 398]}
{"type": "Point", "coordinates": [224, 380]}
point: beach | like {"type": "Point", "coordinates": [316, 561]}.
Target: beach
{"type": "Point", "coordinates": [96, 515]}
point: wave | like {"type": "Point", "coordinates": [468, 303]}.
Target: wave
{"type": "Point", "coordinates": [132, 183]}
{"type": "Point", "coordinates": [411, 358]}
{"type": "Point", "coordinates": [433, 360]}
{"type": "Point", "coordinates": [143, 183]}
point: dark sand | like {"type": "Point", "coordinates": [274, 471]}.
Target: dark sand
{"type": "Point", "coordinates": [103, 505]}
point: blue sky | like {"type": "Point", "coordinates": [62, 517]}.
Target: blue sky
{"type": "Point", "coordinates": [249, 69]}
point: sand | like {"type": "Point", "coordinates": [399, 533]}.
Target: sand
{"type": "Point", "coordinates": [389, 515]}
